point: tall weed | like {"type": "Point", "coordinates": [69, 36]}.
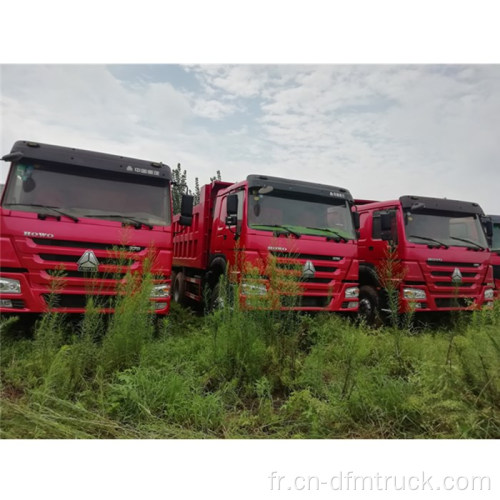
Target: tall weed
{"type": "Point", "coordinates": [132, 324]}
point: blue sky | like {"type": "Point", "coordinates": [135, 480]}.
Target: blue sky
{"type": "Point", "coordinates": [379, 130]}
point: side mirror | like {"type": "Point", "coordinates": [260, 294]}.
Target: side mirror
{"type": "Point", "coordinates": [186, 218]}
{"type": "Point", "coordinates": [386, 226]}
{"type": "Point", "coordinates": [385, 222]}
{"type": "Point", "coordinates": [488, 229]}
{"type": "Point", "coordinates": [355, 218]}
{"type": "Point", "coordinates": [488, 226]}
{"type": "Point", "coordinates": [232, 205]}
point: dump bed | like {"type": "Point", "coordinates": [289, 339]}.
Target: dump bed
{"type": "Point", "coordinates": [192, 243]}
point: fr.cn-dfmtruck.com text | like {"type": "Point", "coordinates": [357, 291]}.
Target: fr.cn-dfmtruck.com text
{"type": "Point", "coordinates": [349, 481]}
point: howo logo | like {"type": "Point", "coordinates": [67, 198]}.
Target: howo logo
{"type": "Point", "coordinates": [308, 270]}
{"type": "Point", "coordinates": [456, 276]}
{"type": "Point", "coordinates": [38, 235]}
{"type": "Point", "coordinates": [88, 261]}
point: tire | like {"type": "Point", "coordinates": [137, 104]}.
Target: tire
{"type": "Point", "coordinates": [217, 301]}
{"type": "Point", "coordinates": [220, 298]}
{"type": "Point", "coordinates": [179, 289]}
{"type": "Point", "coordinates": [368, 304]}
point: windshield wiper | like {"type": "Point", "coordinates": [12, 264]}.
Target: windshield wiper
{"type": "Point", "coordinates": [136, 222]}
{"type": "Point", "coordinates": [54, 209]}
{"type": "Point", "coordinates": [468, 241]}
{"type": "Point", "coordinates": [428, 239]}
{"type": "Point", "coordinates": [330, 230]}
{"type": "Point", "coordinates": [286, 228]}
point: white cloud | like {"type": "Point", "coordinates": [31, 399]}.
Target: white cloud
{"type": "Point", "coordinates": [241, 81]}
{"type": "Point", "coordinates": [380, 131]}
{"type": "Point", "coordinates": [212, 108]}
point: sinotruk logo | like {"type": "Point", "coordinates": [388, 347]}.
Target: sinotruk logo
{"type": "Point", "coordinates": [308, 270]}
{"type": "Point", "coordinates": [456, 276]}
{"type": "Point", "coordinates": [88, 262]}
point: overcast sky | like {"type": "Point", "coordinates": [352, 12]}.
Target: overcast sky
{"type": "Point", "coordinates": [379, 130]}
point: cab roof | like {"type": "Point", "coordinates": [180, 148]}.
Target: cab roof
{"type": "Point", "coordinates": [85, 158]}
{"type": "Point", "coordinates": [283, 184]}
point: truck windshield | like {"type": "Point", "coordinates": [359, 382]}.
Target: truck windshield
{"type": "Point", "coordinates": [441, 228]}
{"type": "Point", "coordinates": [300, 213]}
{"type": "Point", "coordinates": [88, 193]}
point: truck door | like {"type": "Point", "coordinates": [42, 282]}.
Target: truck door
{"type": "Point", "coordinates": [384, 234]}
{"type": "Point", "coordinates": [227, 233]}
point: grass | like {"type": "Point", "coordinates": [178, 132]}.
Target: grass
{"type": "Point", "coordinates": [247, 374]}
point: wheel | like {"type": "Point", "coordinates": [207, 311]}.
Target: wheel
{"type": "Point", "coordinates": [179, 289]}
{"type": "Point", "coordinates": [216, 300]}
{"type": "Point", "coordinates": [220, 298]}
{"type": "Point", "coordinates": [368, 304]}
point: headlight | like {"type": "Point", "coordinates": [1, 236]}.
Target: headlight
{"type": "Point", "coordinates": [414, 294]}
{"type": "Point", "coordinates": [352, 293]}
{"type": "Point", "coordinates": [489, 294]}
{"type": "Point", "coordinates": [253, 288]}
{"type": "Point", "coordinates": [160, 291]}
{"type": "Point", "coordinates": [8, 285]}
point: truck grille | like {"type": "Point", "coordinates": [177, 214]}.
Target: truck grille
{"type": "Point", "coordinates": [440, 276]}
{"type": "Point", "coordinates": [326, 266]}
{"type": "Point", "coordinates": [74, 258]}
{"type": "Point", "coordinates": [318, 291]}
{"type": "Point", "coordinates": [53, 264]}
{"type": "Point", "coordinates": [51, 267]}
{"type": "Point", "coordinates": [60, 258]}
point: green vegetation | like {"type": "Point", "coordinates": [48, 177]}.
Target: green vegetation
{"type": "Point", "coordinates": [247, 374]}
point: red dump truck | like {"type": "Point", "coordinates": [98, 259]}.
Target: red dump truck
{"type": "Point", "coordinates": [261, 231]}
{"type": "Point", "coordinates": [495, 252]}
{"type": "Point", "coordinates": [439, 251]}
{"type": "Point", "coordinates": [85, 217]}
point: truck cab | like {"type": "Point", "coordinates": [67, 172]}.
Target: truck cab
{"type": "Point", "coordinates": [262, 229]}
{"type": "Point", "coordinates": [81, 219]}
{"type": "Point", "coordinates": [438, 251]}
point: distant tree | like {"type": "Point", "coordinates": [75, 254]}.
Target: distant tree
{"type": "Point", "coordinates": [180, 187]}
{"type": "Point", "coordinates": [196, 191]}
{"type": "Point", "coordinates": [217, 177]}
